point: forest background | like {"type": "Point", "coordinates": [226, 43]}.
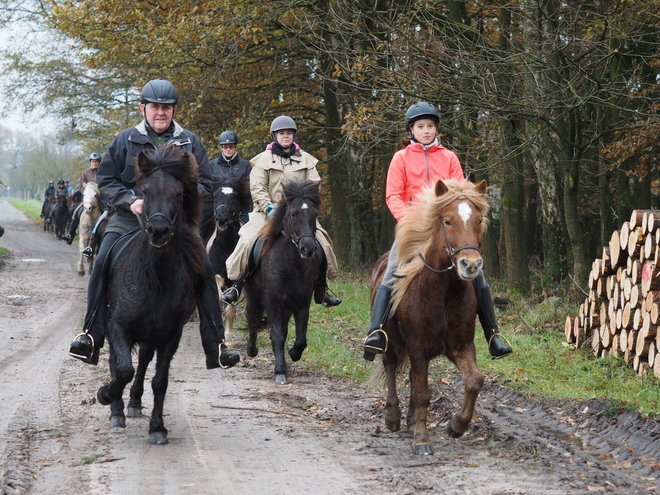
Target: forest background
{"type": "Point", "coordinates": [555, 104]}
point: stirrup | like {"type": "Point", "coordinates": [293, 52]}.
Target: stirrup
{"type": "Point", "coordinates": [88, 252]}
{"type": "Point", "coordinates": [506, 341]}
{"type": "Point", "coordinates": [79, 355]}
{"type": "Point", "coordinates": [227, 296]}
{"type": "Point", "coordinates": [376, 350]}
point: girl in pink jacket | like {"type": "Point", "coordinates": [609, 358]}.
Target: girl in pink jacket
{"type": "Point", "coordinates": [417, 166]}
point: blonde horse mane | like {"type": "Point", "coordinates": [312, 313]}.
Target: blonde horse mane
{"type": "Point", "coordinates": [91, 186]}
{"type": "Point", "coordinates": [415, 235]}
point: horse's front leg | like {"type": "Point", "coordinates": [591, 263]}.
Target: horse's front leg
{"type": "Point", "coordinates": [278, 331]}
{"type": "Point", "coordinates": [301, 319]}
{"type": "Point", "coordinates": [392, 409]}
{"type": "Point", "coordinates": [157, 430]}
{"type": "Point", "coordinates": [81, 264]}
{"type": "Point", "coordinates": [121, 367]}
{"type": "Point", "coordinates": [473, 378]}
{"type": "Point", "coordinates": [254, 313]}
{"type": "Point", "coordinates": [421, 397]}
{"type": "Point", "coordinates": [145, 355]}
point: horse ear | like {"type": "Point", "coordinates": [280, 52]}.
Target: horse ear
{"type": "Point", "coordinates": [142, 159]}
{"type": "Point", "coordinates": [440, 188]}
{"type": "Point", "coordinates": [481, 187]}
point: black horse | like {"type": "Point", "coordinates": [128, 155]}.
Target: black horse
{"type": "Point", "coordinates": [283, 281]}
{"type": "Point", "coordinates": [47, 206]}
{"type": "Point", "coordinates": [60, 216]}
{"type": "Point", "coordinates": [151, 289]}
{"type": "Point", "coordinates": [231, 196]}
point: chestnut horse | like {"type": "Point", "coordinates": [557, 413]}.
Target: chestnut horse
{"type": "Point", "coordinates": [434, 303]}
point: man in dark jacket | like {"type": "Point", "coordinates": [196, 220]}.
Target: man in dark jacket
{"type": "Point", "coordinates": [49, 197]}
{"type": "Point", "coordinates": [116, 181]}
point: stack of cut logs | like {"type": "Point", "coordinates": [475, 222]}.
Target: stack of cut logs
{"type": "Point", "coordinates": [621, 314]}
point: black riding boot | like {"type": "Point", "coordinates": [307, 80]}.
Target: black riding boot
{"type": "Point", "coordinates": [86, 345]}
{"type": "Point", "coordinates": [233, 293]}
{"type": "Point", "coordinates": [486, 313]}
{"type": "Point", "coordinates": [211, 328]}
{"type": "Point", "coordinates": [321, 294]}
{"type": "Point", "coordinates": [74, 226]}
{"type": "Point", "coordinates": [376, 341]}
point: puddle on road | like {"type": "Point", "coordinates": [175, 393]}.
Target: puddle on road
{"type": "Point", "coordinates": [33, 260]}
{"type": "Point", "coordinates": [17, 296]}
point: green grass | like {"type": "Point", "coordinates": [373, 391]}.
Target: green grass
{"type": "Point", "coordinates": [32, 208]}
{"type": "Point", "coordinates": [542, 364]}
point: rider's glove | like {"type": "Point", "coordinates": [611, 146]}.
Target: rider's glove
{"type": "Point", "coordinates": [270, 209]}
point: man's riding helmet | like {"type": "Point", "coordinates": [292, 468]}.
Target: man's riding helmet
{"type": "Point", "coordinates": [228, 137]}
{"type": "Point", "coordinates": [421, 110]}
{"type": "Point", "coordinates": [159, 91]}
{"type": "Point", "coordinates": [60, 182]}
{"type": "Point", "coordinates": [282, 123]}
{"type": "Point", "coordinates": [94, 156]}
{"type": "Point", "coordinates": [51, 182]}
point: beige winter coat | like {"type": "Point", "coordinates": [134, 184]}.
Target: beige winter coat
{"type": "Point", "coordinates": [269, 174]}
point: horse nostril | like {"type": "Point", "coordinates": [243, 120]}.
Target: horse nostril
{"type": "Point", "coordinates": [464, 264]}
{"type": "Point", "coordinates": [480, 264]}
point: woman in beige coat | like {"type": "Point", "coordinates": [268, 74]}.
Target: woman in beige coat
{"type": "Point", "coordinates": [281, 162]}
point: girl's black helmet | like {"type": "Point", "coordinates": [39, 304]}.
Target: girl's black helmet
{"type": "Point", "coordinates": [228, 137]}
{"type": "Point", "coordinates": [159, 91]}
{"type": "Point", "coordinates": [421, 110]}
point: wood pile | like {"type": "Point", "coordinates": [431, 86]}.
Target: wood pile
{"type": "Point", "coordinates": [621, 314]}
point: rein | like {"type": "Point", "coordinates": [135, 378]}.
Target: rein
{"type": "Point", "coordinates": [451, 252]}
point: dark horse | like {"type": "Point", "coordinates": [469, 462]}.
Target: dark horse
{"type": "Point", "coordinates": [231, 196]}
{"type": "Point", "coordinates": [434, 303]}
{"type": "Point", "coordinates": [283, 281]}
{"type": "Point", "coordinates": [151, 289]}
{"type": "Point", "coordinates": [49, 202]}
{"type": "Point", "coordinates": [60, 216]}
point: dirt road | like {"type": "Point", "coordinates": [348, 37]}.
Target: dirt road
{"type": "Point", "coordinates": [236, 432]}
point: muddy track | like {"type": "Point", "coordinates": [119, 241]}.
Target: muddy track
{"type": "Point", "coordinates": [235, 431]}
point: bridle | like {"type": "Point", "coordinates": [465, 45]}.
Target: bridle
{"type": "Point", "coordinates": [295, 238]}
{"type": "Point", "coordinates": [451, 252]}
{"type": "Point", "coordinates": [145, 220]}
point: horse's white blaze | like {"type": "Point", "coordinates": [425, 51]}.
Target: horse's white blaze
{"type": "Point", "coordinates": [465, 212]}
{"type": "Point", "coordinates": [304, 206]}
{"type": "Point", "coordinates": [227, 190]}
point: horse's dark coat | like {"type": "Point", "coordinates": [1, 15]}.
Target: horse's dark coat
{"type": "Point", "coordinates": [283, 282]}
{"type": "Point", "coordinates": [151, 291]}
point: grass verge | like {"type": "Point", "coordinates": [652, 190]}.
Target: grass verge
{"type": "Point", "coordinates": [542, 365]}
{"type": "Point", "coordinates": [31, 208]}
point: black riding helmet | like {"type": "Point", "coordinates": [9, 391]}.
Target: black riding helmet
{"type": "Point", "coordinates": [421, 110]}
{"type": "Point", "coordinates": [228, 137]}
{"type": "Point", "coordinates": [60, 182]}
{"type": "Point", "coordinates": [159, 91]}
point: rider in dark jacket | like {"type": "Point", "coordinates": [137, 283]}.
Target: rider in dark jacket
{"type": "Point", "coordinates": [117, 184]}
{"type": "Point", "coordinates": [229, 159]}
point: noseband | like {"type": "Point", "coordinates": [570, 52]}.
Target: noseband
{"type": "Point", "coordinates": [295, 238]}
{"type": "Point", "coordinates": [145, 221]}
{"type": "Point", "coordinates": [451, 252]}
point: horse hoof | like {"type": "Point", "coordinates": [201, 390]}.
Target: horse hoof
{"type": "Point", "coordinates": [453, 433]}
{"type": "Point", "coordinates": [102, 396]}
{"type": "Point", "coordinates": [423, 449]}
{"type": "Point", "coordinates": [118, 420]}
{"type": "Point", "coordinates": [252, 351]}
{"type": "Point", "coordinates": [281, 379]}
{"type": "Point", "coordinates": [393, 425]}
{"type": "Point", "coordinates": [81, 274]}
{"type": "Point", "coordinates": [134, 412]}
{"type": "Point", "coordinates": [158, 438]}
{"type": "Point", "coordinates": [293, 354]}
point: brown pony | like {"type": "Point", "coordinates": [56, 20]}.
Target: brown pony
{"type": "Point", "coordinates": [434, 304]}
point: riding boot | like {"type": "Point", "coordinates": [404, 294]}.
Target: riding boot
{"type": "Point", "coordinates": [87, 345]}
{"type": "Point", "coordinates": [233, 293]}
{"type": "Point", "coordinates": [211, 328]}
{"type": "Point", "coordinates": [376, 341]}
{"type": "Point", "coordinates": [486, 313]}
{"type": "Point", "coordinates": [321, 294]}
{"type": "Point", "coordinates": [74, 226]}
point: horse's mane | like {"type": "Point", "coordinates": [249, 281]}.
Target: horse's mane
{"type": "Point", "coordinates": [91, 186]}
{"type": "Point", "coordinates": [416, 234]}
{"type": "Point", "coordinates": [180, 165]}
{"type": "Point", "coordinates": [305, 190]}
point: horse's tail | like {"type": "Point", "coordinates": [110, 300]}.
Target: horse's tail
{"type": "Point", "coordinates": [377, 378]}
